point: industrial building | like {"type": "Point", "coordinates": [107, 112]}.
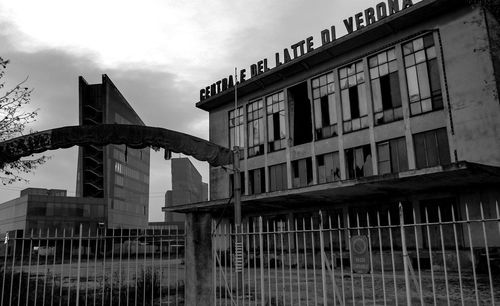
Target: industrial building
{"type": "Point", "coordinates": [404, 108]}
{"type": "Point", "coordinates": [116, 173]}
{"type": "Point", "coordinates": [187, 187]}
{"type": "Point", "coordinates": [39, 211]}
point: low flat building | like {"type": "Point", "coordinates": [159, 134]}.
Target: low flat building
{"type": "Point", "coordinates": [39, 211]}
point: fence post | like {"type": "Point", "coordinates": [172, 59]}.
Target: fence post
{"type": "Point", "coordinates": [405, 255]}
{"type": "Point", "coordinates": [199, 266]}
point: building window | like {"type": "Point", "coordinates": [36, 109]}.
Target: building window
{"type": "Point", "coordinates": [431, 148]}
{"type": "Point", "coordinates": [325, 109]}
{"type": "Point", "coordinates": [328, 167]}
{"type": "Point", "coordinates": [278, 177]}
{"type": "Point", "coordinates": [353, 95]}
{"type": "Point", "coordinates": [257, 181]}
{"type": "Point", "coordinates": [302, 172]}
{"type": "Point", "coordinates": [118, 168]}
{"type": "Point", "coordinates": [358, 162]}
{"type": "Point", "coordinates": [392, 157]}
{"type": "Point", "coordinates": [422, 75]}
{"type": "Point", "coordinates": [255, 114]}
{"type": "Point", "coordinates": [236, 128]}
{"type": "Point", "coordinates": [386, 93]}
{"type": "Point", "coordinates": [276, 122]}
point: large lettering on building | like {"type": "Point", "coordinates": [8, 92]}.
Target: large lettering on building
{"type": "Point", "coordinates": [352, 24]}
{"type": "Point", "coordinates": [133, 136]}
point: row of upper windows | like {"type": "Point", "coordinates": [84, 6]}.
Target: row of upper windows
{"type": "Point", "coordinates": [131, 173]}
{"type": "Point", "coordinates": [430, 149]}
{"type": "Point", "coordinates": [420, 71]}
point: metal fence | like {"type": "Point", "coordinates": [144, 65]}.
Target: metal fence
{"type": "Point", "coordinates": [107, 267]}
{"type": "Point", "coordinates": [377, 257]}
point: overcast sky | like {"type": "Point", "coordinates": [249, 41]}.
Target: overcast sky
{"type": "Point", "coordinates": [158, 53]}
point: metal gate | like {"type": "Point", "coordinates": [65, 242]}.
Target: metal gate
{"type": "Point", "coordinates": [107, 267]}
{"type": "Point", "coordinates": [374, 258]}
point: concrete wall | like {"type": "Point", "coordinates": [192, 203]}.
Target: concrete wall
{"type": "Point", "coordinates": [13, 214]}
{"type": "Point", "coordinates": [473, 91]}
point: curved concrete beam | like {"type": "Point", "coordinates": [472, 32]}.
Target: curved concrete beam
{"type": "Point", "coordinates": [134, 136]}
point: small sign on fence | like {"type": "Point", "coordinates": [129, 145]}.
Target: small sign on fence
{"type": "Point", "coordinates": [360, 256]}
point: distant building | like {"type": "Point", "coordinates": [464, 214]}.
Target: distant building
{"type": "Point", "coordinates": [115, 173]}
{"type": "Point", "coordinates": [187, 187]}
{"type": "Point", "coordinates": [41, 210]}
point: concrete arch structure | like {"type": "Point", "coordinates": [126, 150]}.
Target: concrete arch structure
{"type": "Point", "coordinates": [134, 136]}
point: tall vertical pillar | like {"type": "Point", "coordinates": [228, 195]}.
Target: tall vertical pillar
{"type": "Point", "coordinates": [199, 265]}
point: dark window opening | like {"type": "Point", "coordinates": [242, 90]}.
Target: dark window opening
{"type": "Point", "coordinates": [431, 148]}
{"type": "Point", "coordinates": [302, 172]}
{"type": "Point", "coordinates": [354, 102]}
{"type": "Point", "coordinates": [300, 114]}
{"type": "Point", "coordinates": [278, 177]}
{"type": "Point", "coordinates": [392, 156]}
{"type": "Point", "coordinates": [359, 162]}
{"type": "Point", "coordinates": [328, 167]}
{"type": "Point", "coordinates": [257, 181]}
{"type": "Point", "coordinates": [276, 136]}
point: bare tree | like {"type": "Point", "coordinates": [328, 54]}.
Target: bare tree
{"type": "Point", "coordinates": [13, 122]}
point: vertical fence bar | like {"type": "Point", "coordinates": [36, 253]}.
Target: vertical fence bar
{"type": "Point", "coordinates": [62, 266]}
{"type": "Point", "coordinates": [392, 257]}
{"type": "Point", "coordinates": [305, 259]}
{"type": "Point", "coordinates": [214, 261]}
{"type": "Point", "coordinates": [261, 248]}
{"type": "Point", "coordinates": [323, 259]}
{"type": "Point", "coordinates": [473, 259]}
{"type": "Point", "coordinates": [87, 267]}
{"type": "Point", "coordinates": [341, 234]}
{"type": "Point", "coordinates": [144, 249]}
{"type": "Point", "coordinates": [112, 266]}
{"type": "Point", "coordinates": [371, 258]}
{"type": "Point", "coordinates": [119, 282]}
{"type": "Point", "coordinates": [297, 260]}
{"type": "Point", "coordinates": [417, 248]}
{"type": "Point", "coordinates": [361, 276]}
{"type": "Point", "coordinates": [483, 223]}
{"type": "Point", "coordinates": [334, 283]}
{"type": "Point", "coordinates": [444, 256]}
{"type": "Point", "coordinates": [79, 264]}
{"type": "Point", "coordinates": [289, 240]}
{"type": "Point", "coordinates": [37, 265]}
{"type": "Point", "coordinates": [313, 249]}
{"type": "Point", "coordinates": [21, 269]}
{"type": "Point", "coordinates": [70, 264]}
{"type": "Point", "coordinates": [379, 230]}
{"type": "Point", "coordinates": [129, 244]}
{"type": "Point", "coordinates": [457, 254]}
{"type": "Point", "coordinates": [104, 279]}
{"type": "Point", "coordinates": [249, 276]}
{"type": "Point", "coordinates": [430, 255]}
{"type": "Point", "coordinates": [53, 268]}
{"type": "Point", "coordinates": [405, 255]}
{"type": "Point", "coordinates": [4, 270]}
{"type": "Point", "coordinates": [254, 241]}
{"type": "Point", "coordinates": [348, 243]}
{"type": "Point", "coordinates": [45, 266]}
{"type": "Point", "coordinates": [275, 255]}
{"type": "Point", "coordinates": [95, 265]}
{"type": "Point", "coordinates": [12, 269]}
{"type": "Point", "coordinates": [29, 268]}
{"type": "Point", "coordinates": [169, 257]}
{"type": "Point", "coordinates": [161, 266]}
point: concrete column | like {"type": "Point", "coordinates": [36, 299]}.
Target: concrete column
{"type": "Point", "coordinates": [199, 262]}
